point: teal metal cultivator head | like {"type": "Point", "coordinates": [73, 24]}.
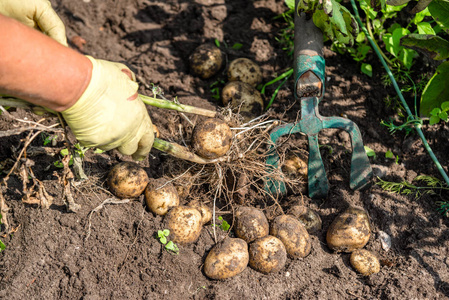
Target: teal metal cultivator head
{"type": "Point", "coordinates": [309, 71]}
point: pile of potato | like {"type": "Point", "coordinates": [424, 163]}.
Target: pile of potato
{"type": "Point", "coordinates": [262, 245]}
{"type": "Point", "coordinates": [243, 76]}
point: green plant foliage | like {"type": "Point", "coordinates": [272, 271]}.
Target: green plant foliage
{"type": "Point", "coordinates": [436, 91]}
{"type": "Point", "coordinates": [439, 9]}
{"type": "Point", "coordinates": [438, 114]}
{"type": "Point", "coordinates": [434, 46]}
{"type": "Point", "coordinates": [370, 152]}
{"type": "Point", "coordinates": [224, 225]}
{"type": "Point", "coordinates": [367, 69]}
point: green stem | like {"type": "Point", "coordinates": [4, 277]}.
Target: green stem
{"type": "Point", "coordinates": [398, 91]}
{"type": "Point", "coordinates": [178, 107]}
{"type": "Point", "coordinates": [181, 152]}
{"type": "Point", "coordinates": [370, 32]}
{"type": "Point", "coordinates": [280, 77]}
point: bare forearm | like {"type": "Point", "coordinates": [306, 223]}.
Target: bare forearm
{"type": "Point", "coordinates": [37, 69]}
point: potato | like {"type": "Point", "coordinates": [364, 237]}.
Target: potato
{"type": "Point", "coordinates": [365, 262]}
{"type": "Point", "coordinates": [350, 231]}
{"type": "Point", "coordinates": [308, 217]}
{"type": "Point", "coordinates": [296, 165]}
{"type": "Point", "coordinates": [206, 61]}
{"type": "Point", "coordinates": [160, 196]}
{"type": "Point", "coordinates": [206, 212]}
{"type": "Point", "coordinates": [184, 223]}
{"type": "Point", "coordinates": [127, 180]}
{"type": "Point", "coordinates": [228, 258]}
{"type": "Point", "coordinates": [250, 224]}
{"type": "Point", "coordinates": [245, 70]}
{"type": "Point", "coordinates": [293, 234]}
{"type": "Point", "coordinates": [267, 254]}
{"type": "Point", "coordinates": [211, 138]}
{"type": "Point", "coordinates": [243, 99]}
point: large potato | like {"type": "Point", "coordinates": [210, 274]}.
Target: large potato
{"type": "Point", "coordinates": [160, 196]}
{"type": "Point", "coordinates": [267, 254]}
{"type": "Point", "coordinates": [365, 262]}
{"type": "Point", "coordinates": [206, 61]}
{"type": "Point", "coordinates": [293, 234]}
{"type": "Point", "coordinates": [184, 223]}
{"type": "Point", "coordinates": [295, 165]}
{"type": "Point", "coordinates": [351, 230]}
{"type": "Point", "coordinates": [243, 98]}
{"type": "Point", "coordinates": [211, 138]}
{"type": "Point", "coordinates": [127, 180]}
{"type": "Point", "coordinates": [227, 259]}
{"type": "Point", "coordinates": [245, 70]}
{"type": "Point", "coordinates": [250, 224]}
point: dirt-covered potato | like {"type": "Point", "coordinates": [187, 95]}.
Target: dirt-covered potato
{"type": "Point", "coordinates": [160, 196]}
{"type": "Point", "coordinates": [295, 165]}
{"type": "Point", "coordinates": [242, 98]}
{"type": "Point", "coordinates": [245, 70]}
{"type": "Point", "coordinates": [211, 138]}
{"type": "Point", "coordinates": [350, 231]}
{"type": "Point", "coordinates": [127, 180]}
{"type": "Point", "coordinates": [250, 224]}
{"type": "Point", "coordinates": [267, 254]}
{"type": "Point", "coordinates": [228, 258]}
{"type": "Point", "coordinates": [184, 223]}
{"type": "Point", "coordinates": [206, 212]}
{"type": "Point", "coordinates": [310, 218]}
{"type": "Point", "coordinates": [365, 262]}
{"type": "Point", "coordinates": [206, 61]}
{"type": "Point", "coordinates": [293, 234]}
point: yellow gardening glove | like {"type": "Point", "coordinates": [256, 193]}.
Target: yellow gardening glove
{"type": "Point", "coordinates": [37, 14]}
{"type": "Point", "coordinates": [110, 114]}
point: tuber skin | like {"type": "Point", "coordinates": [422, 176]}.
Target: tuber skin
{"type": "Point", "coordinates": [127, 180]}
{"type": "Point", "coordinates": [211, 138]}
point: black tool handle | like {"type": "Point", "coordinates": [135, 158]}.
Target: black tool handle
{"type": "Point", "coordinates": [308, 37]}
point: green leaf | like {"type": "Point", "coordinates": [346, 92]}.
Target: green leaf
{"type": "Point", "coordinates": [425, 28]}
{"type": "Point", "coordinates": [434, 120]}
{"type": "Point", "coordinates": [367, 69]}
{"type": "Point", "coordinates": [420, 16]}
{"type": "Point", "coordinates": [370, 152]}
{"type": "Point", "coordinates": [389, 154]}
{"type": "Point", "coordinates": [444, 107]}
{"type": "Point", "coordinates": [436, 91]}
{"type": "Point", "coordinates": [237, 46]}
{"type": "Point", "coordinates": [64, 152]}
{"type": "Point", "coordinates": [58, 164]}
{"type": "Point", "coordinates": [290, 3]}
{"type": "Point", "coordinates": [434, 46]}
{"type": "Point", "coordinates": [217, 43]}
{"type": "Point", "coordinates": [166, 232]}
{"type": "Point", "coordinates": [172, 247]}
{"type": "Point", "coordinates": [435, 112]}
{"type": "Point", "coordinates": [443, 116]}
{"type": "Point", "coordinates": [369, 11]}
{"type": "Point", "coordinates": [440, 12]}
{"type": "Point", "coordinates": [98, 151]}
{"type": "Point", "coordinates": [2, 246]}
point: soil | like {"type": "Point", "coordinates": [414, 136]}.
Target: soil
{"type": "Point", "coordinates": [112, 252]}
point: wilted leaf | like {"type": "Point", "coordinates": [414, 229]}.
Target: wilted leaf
{"type": "Point", "coordinates": [434, 46]}
{"type": "Point", "coordinates": [436, 91]}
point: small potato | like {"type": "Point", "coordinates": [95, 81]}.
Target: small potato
{"type": "Point", "coordinates": [211, 138]}
{"type": "Point", "coordinates": [365, 262]}
{"type": "Point", "coordinates": [127, 180]}
{"type": "Point", "coordinates": [160, 196]}
{"type": "Point", "coordinates": [184, 223]}
{"type": "Point", "coordinates": [250, 224]}
{"type": "Point", "coordinates": [206, 212]}
{"type": "Point", "coordinates": [206, 61]}
{"type": "Point", "coordinates": [296, 165]}
{"type": "Point", "coordinates": [245, 70]}
{"type": "Point", "coordinates": [350, 231]}
{"type": "Point", "coordinates": [243, 99]}
{"type": "Point", "coordinates": [228, 258]}
{"type": "Point", "coordinates": [293, 234]}
{"type": "Point", "coordinates": [267, 254]}
{"type": "Point", "coordinates": [308, 217]}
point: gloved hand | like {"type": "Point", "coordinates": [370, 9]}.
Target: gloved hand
{"type": "Point", "coordinates": [37, 14]}
{"type": "Point", "coordinates": [110, 113]}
